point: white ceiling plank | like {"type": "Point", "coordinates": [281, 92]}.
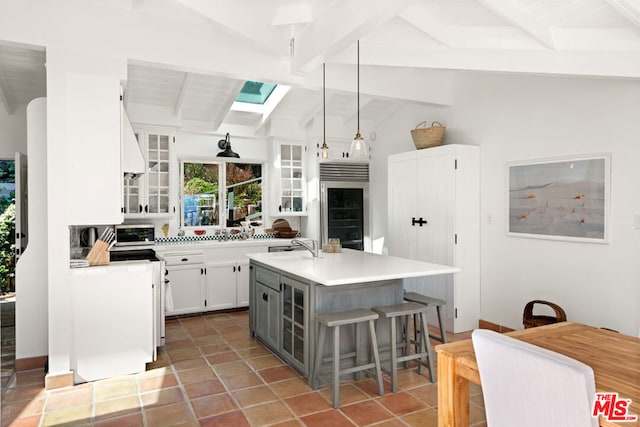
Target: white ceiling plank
{"type": "Point", "coordinates": [420, 18]}
{"type": "Point", "coordinates": [364, 101]}
{"type": "Point", "coordinates": [630, 9]}
{"type": "Point", "coordinates": [245, 23]}
{"type": "Point", "coordinates": [339, 26]}
{"type": "Point", "coordinates": [225, 104]}
{"type": "Point", "coordinates": [5, 98]}
{"type": "Point", "coordinates": [507, 10]}
{"type": "Point", "coordinates": [183, 90]}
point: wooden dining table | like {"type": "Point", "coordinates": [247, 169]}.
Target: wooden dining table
{"type": "Point", "coordinates": [614, 358]}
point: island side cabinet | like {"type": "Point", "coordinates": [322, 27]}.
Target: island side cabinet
{"type": "Point", "coordinates": [279, 315]}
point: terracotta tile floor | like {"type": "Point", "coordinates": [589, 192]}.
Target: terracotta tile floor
{"type": "Point", "coordinates": [210, 373]}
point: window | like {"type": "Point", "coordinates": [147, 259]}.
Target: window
{"type": "Point", "coordinates": [220, 194]}
{"type": "Point", "coordinates": [255, 92]}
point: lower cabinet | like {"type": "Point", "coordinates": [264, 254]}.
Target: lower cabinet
{"type": "Point", "coordinates": [186, 289]}
{"type": "Point", "coordinates": [221, 286]}
{"type": "Point", "coordinates": [280, 315]}
{"type": "Point", "coordinates": [295, 322]}
{"type": "Point", "coordinates": [242, 283]}
{"type": "Point", "coordinates": [267, 315]}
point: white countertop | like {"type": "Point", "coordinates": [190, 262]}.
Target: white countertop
{"type": "Point", "coordinates": [216, 244]}
{"type": "Point", "coordinates": [348, 267]}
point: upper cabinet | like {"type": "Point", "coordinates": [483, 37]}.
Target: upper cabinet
{"type": "Point", "coordinates": [290, 184]}
{"type": "Point", "coordinates": [94, 169]}
{"type": "Point", "coordinates": [150, 194]}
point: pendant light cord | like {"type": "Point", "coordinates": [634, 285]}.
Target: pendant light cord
{"type": "Point", "coordinates": [358, 86]}
{"type": "Point", "coordinates": [324, 107]}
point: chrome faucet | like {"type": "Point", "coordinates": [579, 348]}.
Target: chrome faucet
{"type": "Point", "coordinates": [309, 244]}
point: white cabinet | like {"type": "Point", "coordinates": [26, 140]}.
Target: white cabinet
{"type": "Point", "coordinates": [337, 151]}
{"type": "Point", "coordinates": [434, 216]}
{"type": "Point", "coordinates": [227, 285]}
{"type": "Point", "coordinates": [112, 317]}
{"type": "Point", "coordinates": [242, 283]}
{"type": "Point", "coordinates": [221, 286]}
{"type": "Point", "coordinates": [289, 183]}
{"type": "Point", "coordinates": [149, 194]}
{"type": "Point", "coordinates": [186, 288]}
{"type": "Point", "coordinates": [94, 170]}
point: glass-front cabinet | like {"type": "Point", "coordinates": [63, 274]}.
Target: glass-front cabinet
{"type": "Point", "coordinates": [149, 194]}
{"type": "Point", "coordinates": [290, 198]}
{"type": "Point", "coordinates": [295, 322]}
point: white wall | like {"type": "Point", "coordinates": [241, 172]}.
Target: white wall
{"type": "Point", "coordinates": [520, 118]}
{"type": "Point", "coordinates": [13, 132]}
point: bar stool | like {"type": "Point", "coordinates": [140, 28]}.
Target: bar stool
{"type": "Point", "coordinates": [402, 311]}
{"type": "Point", "coordinates": [429, 302]}
{"type": "Point", "coordinates": [335, 320]}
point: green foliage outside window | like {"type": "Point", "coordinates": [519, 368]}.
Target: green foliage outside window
{"type": "Point", "coordinates": [7, 248]}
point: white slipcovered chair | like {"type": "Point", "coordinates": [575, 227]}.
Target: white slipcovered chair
{"type": "Point", "coordinates": [528, 386]}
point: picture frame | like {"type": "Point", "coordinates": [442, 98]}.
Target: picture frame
{"type": "Point", "coordinates": [561, 198]}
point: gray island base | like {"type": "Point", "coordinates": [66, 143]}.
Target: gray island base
{"type": "Point", "coordinates": [288, 289]}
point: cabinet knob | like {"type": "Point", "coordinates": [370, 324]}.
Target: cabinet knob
{"type": "Point", "coordinates": [140, 209]}
{"type": "Point", "coordinates": [265, 297]}
{"type": "Point", "coordinates": [239, 269]}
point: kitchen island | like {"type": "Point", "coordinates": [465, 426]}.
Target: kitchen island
{"type": "Point", "coordinates": [288, 289]}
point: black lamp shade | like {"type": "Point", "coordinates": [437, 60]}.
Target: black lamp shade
{"type": "Point", "coordinates": [226, 144]}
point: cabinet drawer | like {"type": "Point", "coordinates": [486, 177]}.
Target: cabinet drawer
{"type": "Point", "coordinates": [268, 278]}
{"type": "Point", "coordinates": [181, 258]}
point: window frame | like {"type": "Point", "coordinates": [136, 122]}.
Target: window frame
{"type": "Point", "coordinates": [222, 189]}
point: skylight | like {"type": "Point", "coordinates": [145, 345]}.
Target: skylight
{"type": "Point", "coordinates": [255, 92]}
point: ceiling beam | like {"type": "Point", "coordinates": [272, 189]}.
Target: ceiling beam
{"type": "Point", "coordinates": [5, 97]}
{"type": "Point", "coordinates": [180, 99]}
{"type": "Point", "coordinates": [511, 13]}
{"type": "Point", "coordinates": [418, 16]}
{"type": "Point", "coordinates": [225, 104]}
{"type": "Point", "coordinates": [245, 22]}
{"type": "Point", "coordinates": [541, 61]}
{"type": "Point", "coordinates": [630, 9]}
{"type": "Point", "coordinates": [341, 25]}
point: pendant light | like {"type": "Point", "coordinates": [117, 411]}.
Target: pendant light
{"type": "Point", "coordinates": [359, 149]}
{"type": "Point", "coordinates": [225, 144]}
{"type": "Point", "coordinates": [324, 149]}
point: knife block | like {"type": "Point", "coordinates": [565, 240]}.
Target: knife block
{"type": "Point", "coordinates": [98, 255]}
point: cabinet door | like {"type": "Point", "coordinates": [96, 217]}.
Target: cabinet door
{"type": "Point", "coordinates": [402, 205]}
{"type": "Point", "coordinates": [158, 179]}
{"type": "Point", "coordinates": [221, 286]}
{"type": "Point", "coordinates": [291, 194]}
{"type": "Point", "coordinates": [150, 194]}
{"type": "Point", "coordinates": [295, 319]}
{"type": "Point", "coordinates": [133, 188]}
{"type": "Point", "coordinates": [268, 315]}
{"type": "Point", "coordinates": [436, 184]}
{"type": "Point", "coordinates": [242, 284]}
{"type": "Point", "coordinates": [337, 151]}
{"type": "Point", "coordinates": [185, 289]}
{"type": "Point", "coordinates": [93, 137]}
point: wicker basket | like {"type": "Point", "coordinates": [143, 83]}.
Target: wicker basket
{"type": "Point", "coordinates": [426, 137]}
{"type": "Point", "coordinates": [531, 321]}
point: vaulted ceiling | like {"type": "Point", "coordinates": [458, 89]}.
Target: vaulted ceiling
{"type": "Point", "coordinates": [409, 49]}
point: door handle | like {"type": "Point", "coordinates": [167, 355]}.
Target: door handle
{"type": "Point", "coordinates": [265, 297]}
{"type": "Point", "coordinates": [419, 221]}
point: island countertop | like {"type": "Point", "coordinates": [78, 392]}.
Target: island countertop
{"type": "Point", "coordinates": [348, 267]}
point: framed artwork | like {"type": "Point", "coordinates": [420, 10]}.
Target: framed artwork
{"type": "Point", "coordinates": [561, 198]}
